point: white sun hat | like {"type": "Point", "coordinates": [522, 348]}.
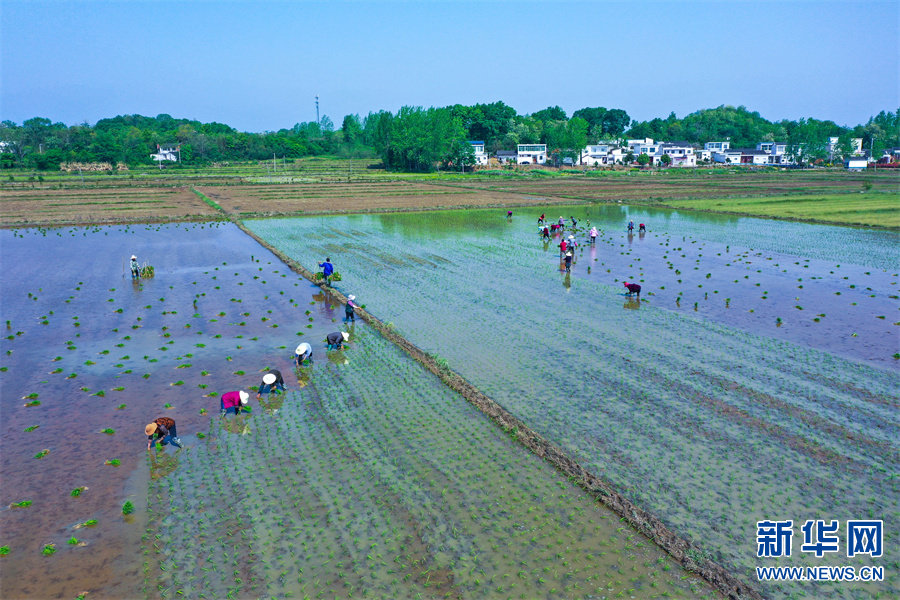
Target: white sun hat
{"type": "Point", "coordinates": [568, 254]}
{"type": "Point", "coordinates": [571, 237]}
{"type": "Point", "coordinates": [346, 335]}
{"type": "Point", "coordinates": [302, 348]}
{"type": "Point", "coordinates": [268, 379]}
{"type": "Point", "coordinates": [351, 297]}
{"type": "Point", "coordinates": [244, 397]}
{"type": "Point", "coordinates": [133, 257]}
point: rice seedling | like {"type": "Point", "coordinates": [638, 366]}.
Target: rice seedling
{"type": "Point", "coordinates": [4, 550]}
{"type": "Point", "coordinates": [113, 462]}
{"type": "Point", "coordinates": [22, 504]}
{"type": "Point", "coordinates": [77, 491]}
{"type": "Point", "coordinates": [127, 508]}
{"type": "Point", "coordinates": [48, 549]}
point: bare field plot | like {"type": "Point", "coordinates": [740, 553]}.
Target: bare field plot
{"type": "Point", "coordinates": [664, 185]}
{"type": "Point", "coordinates": [30, 207]}
{"type": "Point", "coordinates": [355, 197]}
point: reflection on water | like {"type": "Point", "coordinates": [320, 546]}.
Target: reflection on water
{"type": "Point", "coordinates": [632, 303]}
{"type": "Point", "coordinates": [162, 462]}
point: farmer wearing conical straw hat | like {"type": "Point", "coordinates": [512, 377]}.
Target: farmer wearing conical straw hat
{"type": "Point", "coordinates": [235, 400]}
{"type": "Point", "coordinates": [303, 352]}
{"type": "Point", "coordinates": [272, 381]}
{"type": "Point", "coordinates": [337, 339]}
{"type": "Point", "coordinates": [349, 315]}
{"type": "Point", "coordinates": [162, 429]}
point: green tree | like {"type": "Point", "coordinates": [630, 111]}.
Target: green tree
{"type": "Point", "coordinates": [643, 159]}
{"type": "Point", "coordinates": [552, 113]}
{"type": "Point", "coordinates": [666, 160]}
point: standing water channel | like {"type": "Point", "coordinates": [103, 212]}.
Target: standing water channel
{"type": "Point", "coordinates": [368, 477]}
{"type": "Point", "coordinates": [756, 377]}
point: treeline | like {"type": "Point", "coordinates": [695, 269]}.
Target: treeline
{"type": "Point", "coordinates": [745, 129]}
{"type": "Point", "coordinates": [413, 138]}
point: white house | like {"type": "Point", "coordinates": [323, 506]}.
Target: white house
{"type": "Point", "coordinates": [531, 154]}
{"type": "Point", "coordinates": [633, 144]}
{"type": "Point", "coordinates": [595, 155]}
{"type": "Point", "coordinates": [716, 146]}
{"type": "Point", "coordinates": [726, 155]}
{"type": "Point", "coordinates": [169, 152]}
{"type": "Point", "coordinates": [773, 148]}
{"type": "Point", "coordinates": [855, 144]}
{"type": "Point", "coordinates": [507, 157]}
{"type": "Point", "coordinates": [856, 163]}
{"type": "Point", "coordinates": [481, 158]}
{"type": "Point", "coordinates": [646, 147]}
{"type": "Point", "coordinates": [680, 153]}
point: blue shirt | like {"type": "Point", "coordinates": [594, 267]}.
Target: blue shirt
{"type": "Point", "coordinates": [327, 268]}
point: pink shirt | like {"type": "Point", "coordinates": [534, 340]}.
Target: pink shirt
{"type": "Point", "coordinates": [230, 399]}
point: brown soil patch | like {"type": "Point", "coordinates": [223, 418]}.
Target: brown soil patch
{"type": "Point", "coordinates": [663, 185]}
{"type": "Point", "coordinates": [312, 198]}
{"type": "Point", "coordinates": [45, 207]}
{"type": "Point", "coordinates": [689, 556]}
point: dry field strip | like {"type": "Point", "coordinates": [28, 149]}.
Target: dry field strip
{"type": "Point", "coordinates": [49, 207]}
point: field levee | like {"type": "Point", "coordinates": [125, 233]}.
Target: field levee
{"type": "Point", "coordinates": [690, 556]}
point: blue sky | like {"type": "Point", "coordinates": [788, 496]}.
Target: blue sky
{"type": "Point", "coordinates": [258, 65]}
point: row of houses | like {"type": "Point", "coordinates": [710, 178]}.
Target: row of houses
{"type": "Point", "coordinates": [680, 154]}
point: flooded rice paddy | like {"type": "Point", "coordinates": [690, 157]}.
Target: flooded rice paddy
{"type": "Point", "coordinates": [367, 478]}
{"type": "Point", "coordinates": [755, 378]}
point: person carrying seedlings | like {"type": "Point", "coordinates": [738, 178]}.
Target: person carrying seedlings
{"type": "Point", "coordinates": [593, 235]}
{"type": "Point", "coordinates": [633, 288]}
{"type": "Point", "coordinates": [271, 383]}
{"type": "Point", "coordinates": [327, 270]}
{"type": "Point", "coordinates": [642, 228]}
{"type": "Point", "coordinates": [162, 429]}
{"type": "Point", "coordinates": [135, 268]}
{"type": "Point", "coordinates": [303, 352]}
{"type": "Point", "coordinates": [349, 315]}
{"type": "Point", "coordinates": [541, 219]}
{"type": "Point", "coordinates": [236, 400]}
{"type": "Point", "coordinates": [568, 262]}
{"type": "Point", "coordinates": [337, 339]}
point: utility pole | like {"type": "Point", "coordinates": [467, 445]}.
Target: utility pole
{"type": "Point", "coordinates": [317, 109]}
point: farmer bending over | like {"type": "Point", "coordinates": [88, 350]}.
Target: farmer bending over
{"type": "Point", "coordinates": [235, 400]}
{"type": "Point", "coordinates": [303, 352]}
{"type": "Point", "coordinates": [541, 219]}
{"type": "Point", "coordinates": [162, 429]}
{"type": "Point", "coordinates": [633, 288]}
{"type": "Point", "coordinates": [336, 340]}
{"type": "Point", "coordinates": [271, 382]}
{"type": "Point", "coordinates": [642, 228]}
